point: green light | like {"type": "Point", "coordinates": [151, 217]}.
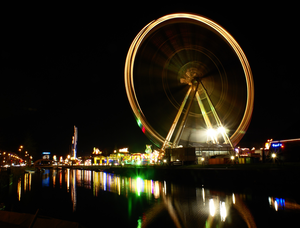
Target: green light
{"type": "Point", "coordinates": [139, 122]}
{"type": "Point", "coordinates": [139, 183]}
{"type": "Point", "coordinates": [139, 221]}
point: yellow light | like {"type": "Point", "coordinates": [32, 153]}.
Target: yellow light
{"type": "Point", "coordinates": [273, 155]}
{"type": "Point", "coordinates": [267, 145]}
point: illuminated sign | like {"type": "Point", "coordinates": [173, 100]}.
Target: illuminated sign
{"type": "Point", "coordinates": [267, 145]}
{"type": "Point", "coordinates": [124, 150]}
{"type": "Point", "coordinates": [276, 144]}
{"type": "Point", "coordinates": [46, 152]}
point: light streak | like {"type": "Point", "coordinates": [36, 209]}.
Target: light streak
{"type": "Point", "coordinates": [129, 66]}
{"type": "Point", "coordinates": [212, 209]}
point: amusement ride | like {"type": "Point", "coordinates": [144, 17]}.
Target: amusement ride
{"type": "Point", "coordinates": [189, 83]}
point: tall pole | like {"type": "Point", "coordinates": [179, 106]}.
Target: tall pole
{"type": "Point", "coordinates": [75, 142]}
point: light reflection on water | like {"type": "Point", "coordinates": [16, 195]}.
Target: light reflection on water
{"type": "Point", "coordinates": [184, 206]}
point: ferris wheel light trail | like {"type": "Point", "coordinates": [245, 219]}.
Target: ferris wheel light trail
{"type": "Point", "coordinates": [130, 86]}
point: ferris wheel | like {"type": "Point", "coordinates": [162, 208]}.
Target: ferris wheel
{"type": "Point", "coordinates": [189, 83]}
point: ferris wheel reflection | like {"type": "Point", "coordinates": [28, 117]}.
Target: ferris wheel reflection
{"type": "Point", "coordinates": [185, 206]}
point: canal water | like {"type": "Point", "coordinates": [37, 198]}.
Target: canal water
{"type": "Point", "coordinates": [99, 199]}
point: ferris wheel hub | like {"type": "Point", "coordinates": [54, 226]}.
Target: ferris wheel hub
{"type": "Point", "coordinates": [191, 72]}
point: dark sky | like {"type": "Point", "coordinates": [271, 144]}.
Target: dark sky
{"type": "Point", "coordinates": [62, 67]}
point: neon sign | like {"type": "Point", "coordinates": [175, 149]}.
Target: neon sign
{"type": "Point", "coordinates": [276, 144]}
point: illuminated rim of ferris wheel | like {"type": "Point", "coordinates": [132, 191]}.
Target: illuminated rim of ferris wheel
{"type": "Point", "coordinates": [195, 84]}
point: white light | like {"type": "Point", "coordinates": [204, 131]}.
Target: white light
{"type": "Point", "coordinates": [210, 132]}
{"type": "Point", "coordinates": [221, 129]}
{"type": "Point", "coordinates": [223, 211]}
{"type": "Point", "coordinates": [212, 207]}
{"type": "Point", "coordinates": [273, 155]}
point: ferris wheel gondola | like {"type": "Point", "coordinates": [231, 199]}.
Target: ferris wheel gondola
{"type": "Point", "coordinates": [189, 82]}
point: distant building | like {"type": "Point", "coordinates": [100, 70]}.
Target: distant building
{"type": "Point", "coordinates": [286, 149]}
{"type": "Point", "coordinates": [46, 155]}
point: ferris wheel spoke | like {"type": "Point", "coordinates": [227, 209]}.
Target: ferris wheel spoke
{"type": "Point", "coordinates": [183, 122]}
{"type": "Point", "coordinates": [172, 129]}
{"type": "Point", "coordinates": [216, 116]}
{"type": "Point", "coordinates": [206, 119]}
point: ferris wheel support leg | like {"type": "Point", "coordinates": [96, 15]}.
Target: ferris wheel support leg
{"type": "Point", "coordinates": [219, 123]}
{"type": "Point", "coordinates": [205, 117]}
{"type": "Point", "coordinates": [171, 131]}
{"type": "Point", "coordinates": [183, 122]}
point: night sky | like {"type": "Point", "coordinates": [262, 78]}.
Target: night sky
{"type": "Point", "coordinates": [65, 67]}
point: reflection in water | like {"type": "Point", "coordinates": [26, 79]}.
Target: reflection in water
{"type": "Point", "coordinates": [68, 179]}
{"type": "Point", "coordinates": [185, 207]}
{"type": "Point", "coordinates": [19, 189]}
{"type": "Point", "coordinates": [27, 182]}
{"type": "Point", "coordinates": [46, 178]}
{"type": "Point", "coordinates": [73, 191]}
{"type": "Point", "coordinates": [123, 185]}
{"type": "Point", "coordinates": [282, 204]}
{"type": "Point", "coordinates": [212, 207]}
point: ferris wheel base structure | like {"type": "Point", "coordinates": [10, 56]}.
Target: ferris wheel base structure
{"type": "Point", "coordinates": [189, 84]}
{"type": "Point", "coordinates": [196, 155]}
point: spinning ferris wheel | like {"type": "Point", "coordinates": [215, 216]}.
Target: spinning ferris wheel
{"type": "Point", "coordinates": [189, 83]}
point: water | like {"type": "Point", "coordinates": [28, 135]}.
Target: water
{"type": "Point", "coordinates": [99, 199]}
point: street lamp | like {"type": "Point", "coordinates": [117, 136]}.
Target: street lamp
{"type": "Point", "coordinates": [274, 157]}
{"type": "Point", "coordinates": [232, 158]}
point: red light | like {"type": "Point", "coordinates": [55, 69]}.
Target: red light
{"type": "Point", "coordinates": [143, 129]}
{"type": "Point", "coordinates": [282, 146]}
